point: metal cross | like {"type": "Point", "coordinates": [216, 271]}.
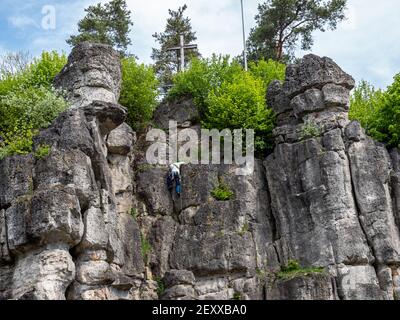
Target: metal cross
{"type": "Point", "coordinates": [182, 48]}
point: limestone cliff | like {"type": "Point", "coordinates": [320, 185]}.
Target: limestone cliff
{"type": "Point", "coordinates": [93, 220]}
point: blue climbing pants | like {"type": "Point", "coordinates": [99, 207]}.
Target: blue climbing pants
{"type": "Point", "coordinates": [177, 180]}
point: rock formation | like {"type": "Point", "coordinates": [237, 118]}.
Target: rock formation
{"type": "Point", "coordinates": [333, 191]}
{"type": "Point", "coordinates": [66, 226]}
{"type": "Point", "coordinates": [93, 220]}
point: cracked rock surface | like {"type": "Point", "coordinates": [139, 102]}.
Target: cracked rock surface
{"type": "Point", "coordinates": [94, 221]}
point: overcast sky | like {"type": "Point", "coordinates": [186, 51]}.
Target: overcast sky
{"type": "Point", "coordinates": [366, 45]}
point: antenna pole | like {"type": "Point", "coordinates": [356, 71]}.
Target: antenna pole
{"type": "Point", "coordinates": [182, 45]}
{"type": "Point", "coordinates": [244, 39]}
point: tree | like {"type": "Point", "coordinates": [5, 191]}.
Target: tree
{"type": "Point", "coordinates": [109, 24]}
{"type": "Point", "coordinates": [27, 100]}
{"type": "Point", "coordinates": [229, 97]}
{"type": "Point", "coordinates": [378, 111]}
{"type": "Point", "coordinates": [203, 76]}
{"type": "Point", "coordinates": [13, 63]}
{"type": "Point", "coordinates": [167, 62]}
{"type": "Point", "coordinates": [139, 92]}
{"type": "Point", "coordinates": [281, 24]}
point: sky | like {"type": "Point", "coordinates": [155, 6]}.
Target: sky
{"type": "Point", "coordinates": [366, 45]}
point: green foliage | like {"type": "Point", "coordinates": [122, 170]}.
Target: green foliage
{"type": "Point", "coordinates": [160, 286]}
{"type": "Point", "coordinates": [261, 275]}
{"type": "Point", "coordinates": [43, 70]}
{"type": "Point", "coordinates": [291, 266]}
{"type": "Point", "coordinates": [166, 61]}
{"type": "Point", "coordinates": [109, 24]}
{"type": "Point", "coordinates": [389, 118]}
{"type": "Point", "coordinates": [39, 73]}
{"type": "Point", "coordinates": [36, 107]}
{"type": "Point", "coordinates": [230, 98]}
{"type": "Point", "coordinates": [237, 296]}
{"type": "Point", "coordinates": [378, 111]}
{"type": "Point", "coordinates": [222, 192]}
{"type": "Point", "coordinates": [18, 141]}
{"type": "Point", "coordinates": [28, 102]}
{"type": "Point", "coordinates": [134, 213]}
{"type": "Point", "coordinates": [365, 104]}
{"type": "Point", "coordinates": [282, 24]}
{"type": "Point", "coordinates": [146, 248]}
{"type": "Point", "coordinates": [139, 92]}
{"type": "Point", "coordinates": [240, 104]}
{"type": "Point", "coordinates": [203, 76]}
{"type": "Point", "coordinates": [309, 130]}
{"type": "Point", "coordinates": [293, 270]}
{"type": "Point", "coordinates": [267, 71]}
{"type": "Point", "coordinates": [42, 151]}
{"type": "Point", "coordinates": [12, 63]}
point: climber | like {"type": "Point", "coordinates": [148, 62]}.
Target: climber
{"type": "Point", "coordinates": [175, 176]}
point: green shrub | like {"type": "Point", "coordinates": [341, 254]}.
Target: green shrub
{"type": "Point", "coordinates": [237, 296]}
{"type": "Point", "coordinates": [293, 270]}
{"type": "Point", "coordinates": [222, 192]}
{"type": "Point", "coordinates": [18, 141]}
{"type": "Point", "coordinates": [134, 213]}
{"type": "Point", "coordinates": [291, 266]}
{"type": "Point", "coordinates": [230, 98]}
{"type": "Point", "coordinates": [39, 73]}
{"type": "Point", "coordinates": [365, 104]}
{"type": "Point", "coordinates": [139, 92]}
{"type": "Point", "coordinates": [160, 286]}
{"type": "Point", "coordinates": [203, 76]}
{"type": "Point", "coordinates": [309, 130]}
{"type": "Point", "coordinates": [29, 103]}
{"type": "Point", "coordinates": [388, 124]}
{"type": "Point", "coordinates": [34, 106]}
{"type": "Point", "coordinates": [42, 151]}
{"type": "Point", "coordinates": [43, 70]}
{"type": "Point", "coordinates": [146, 248]}
{"type": "Point", "coordinates": [378, 111]}
{"type": "Point", "coordinates": [23, 113]}
{"type": "Point", "coordinates": [267, 71]}
{"type": "Point", "coordinates": [240, 104]}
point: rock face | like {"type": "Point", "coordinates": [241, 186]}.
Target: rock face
{"type": "Point", "coordinates": [93, 72]}
{"type": "Point", "coordinates": [93, 220]}
{"type": "Point", "coordinates": [66, 230]}
{"type": "Point", "coordinates": [332, 188]}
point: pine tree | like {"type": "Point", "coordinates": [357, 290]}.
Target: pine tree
{"type": "Point", "coordinates": [167, 62]}
{"type": "Point", "coordinates": [282, 24]}
{"type": "Point", "coordinates": [109, 24]}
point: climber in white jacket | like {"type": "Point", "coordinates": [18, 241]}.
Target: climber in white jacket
{"type": "Point", "coordinates": [175, 176]}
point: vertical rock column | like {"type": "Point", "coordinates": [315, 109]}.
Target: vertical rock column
{"type": "Point", "coordinates": [330, 184]}
{"type": "Point", "coordinates": [65, 224]}
{"type": "Point", "coordinates": [108, 259]}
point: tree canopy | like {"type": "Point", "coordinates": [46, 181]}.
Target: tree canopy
{"type": "Point", "coordinates": [283, 24]}
{"type": "Point", "coordinates": [378, 111]}
{"type": "Point", "coordinates": [228, 97]}
{"type": "Point", "coordinates": [139, 92]}
{"type": "Point", "coordinates": [109, 24]}
{"type": "Point", "coordinates": [167, 62]}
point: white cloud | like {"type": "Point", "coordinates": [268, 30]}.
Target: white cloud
{"type": "Point", "coordinates": [367, 48]}
{"type": "Point", "coordinates": [217, 23]}
{"type": "Point", "coordinates": [365, 45]}
{"type": "Point", "coordinates": [22, 22]}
